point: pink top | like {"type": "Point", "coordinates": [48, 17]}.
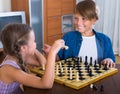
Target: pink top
{"type": "Point", "coordinates": [12, 88]}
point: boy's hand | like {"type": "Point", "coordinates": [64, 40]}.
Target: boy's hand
{"type": "Point", "coordinates": [109, 62]}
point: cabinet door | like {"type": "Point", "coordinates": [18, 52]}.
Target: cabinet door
{"type": "Point", "coordinates": [53, 7]}
{"type": "Point", "coordinates": [21, 5]}
{"type": "Point", "coordinates": [54, 25]}
{"type": "Point", "coordinates": [51, 39]}
{"type": "Point", "coordinates": [67, 6]}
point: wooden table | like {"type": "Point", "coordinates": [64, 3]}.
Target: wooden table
{"type": "Point", "coordinates": [111, 86]}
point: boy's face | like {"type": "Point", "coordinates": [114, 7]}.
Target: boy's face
{"type": "Point", "coordinates": [83, 24]}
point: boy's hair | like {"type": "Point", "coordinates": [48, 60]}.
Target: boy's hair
{"type": "Point", "coordinates": [13, 36]}
{"type": "Point", "coordinates": [87, 9]}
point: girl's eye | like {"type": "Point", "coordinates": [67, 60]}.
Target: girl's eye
{"type": "Point", "coordinates": [84, 18]}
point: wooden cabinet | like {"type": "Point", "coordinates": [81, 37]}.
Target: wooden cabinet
{"type": "Point", "coordinates": [55, 9]}
{"type": "Point", "coordinates": [68, 6]}
{"type": "Point", "coordinates": [33, 12]}
{"type": "Point", "coordinates": [52, 12]}
{"type": "Point", "coordinates": [21, 5]}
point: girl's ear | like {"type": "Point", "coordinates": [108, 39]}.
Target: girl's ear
{"type": "Point", "coordinates": [23, 48]}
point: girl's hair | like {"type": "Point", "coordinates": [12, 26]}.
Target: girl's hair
{"type": "Point", "coordinates": [13, 36]}
{"type": "Point", "coordinates": [87, 9]}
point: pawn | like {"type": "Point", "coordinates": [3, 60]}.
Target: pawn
{"type": "Point", "coordinates": [86, 62]}
{"type": "Point", "coordinates": [90, 73]}
{"type": "Point", "coordinates": [101, 88]}
{"type": "Point", "coordinates": [99, 65]}
{"type": "Point", "coordinates": [77, 76]}
{"type": "Point", "coordinates": [94, 87]}
{"type": "Point", "coordinates": [95, 65]}
{"type": "Point", "coordinates": [70, 77]}
{"type": "Point", "coordinates": [105, 67]}
{"type": "Point", "coordinates": [80, 59]}
{"type": "Point", "coordinates": [43, 67]}
{"type": "Point", "coordinates": [90, 61]}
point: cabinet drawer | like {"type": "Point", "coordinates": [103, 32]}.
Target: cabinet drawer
{"type": "Point", "coordinates": [51, 39]}
{"type": "Point", "coordinates": [54, 25]}
{"type": "Point", "coordinates": [67, 6]}
{"type": "Point", "coordinates": [53, 7]}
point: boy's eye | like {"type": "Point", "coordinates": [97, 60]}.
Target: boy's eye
{"type": "Point", "coordinates": [75, 18]}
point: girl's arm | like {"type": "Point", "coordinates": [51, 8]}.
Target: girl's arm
{"type": "Point", "coordinates": [47, 79]}
{"type": "Point", "coordinates": [37, 60]}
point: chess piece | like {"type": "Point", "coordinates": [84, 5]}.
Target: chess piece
{"type": "Point", "coordinates": [66, 47]}
{"type": "Point", "coordinates": [80, 59]}
{"type": "Point", "coordinates": [77, 76]}
{"type": "Point", "coordinates": [90, 72]}
{"type": "Point", "coordinates": [86, 62]}
{"type": "Point", "coordinates": [101, 88]}
{"type": "Point", "coordinates": [60, 65]}
{"type": "Point", "coordinates": [105, 67]}
{"type": "Point", "coordinates": [57, 72]}
{"type": "Point", "coordinates": [62, 69]}
{"type": "Point", "coordinates": [43, 67]}
{"type": "Point", "coordinates": [70, 74]}
{"type": "Point", "coordinates": [66, 71]}
{"type": "Point", "coordinates": [94, 87]}
{"type": "Point", "coordinates": [90, 61]}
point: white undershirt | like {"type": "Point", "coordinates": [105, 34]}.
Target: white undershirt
{"type": "Point", "coordinates": [88, 48]}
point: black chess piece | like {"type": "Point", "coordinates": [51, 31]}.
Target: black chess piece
{"type": "Point", "coordinates": [86, 62]}
{"type": "Point", "coordinates": [77, 59]}
{"type": "Point", "coordinates": [95, 87]}
{"type": "Point", "coordinates": [80, 73]}
{"type": "Point", "coordinates": [87, 68]}
{"type": "Point", "coordinates": [105, 67]}
{"type": "Point", "coordinates": [99, 65]}
{"type": "Point", "coordinates": [69, 64]}
{"type": "Point", "coordinates": [78, 67]}
{"type": "Point", "coordinates": [90, 72]}
{"type": "Point", "coordinates": [80, 59]}
{"type": "Point", "coordinates": [95, 64]}
{"type": "Point", "coordinates": [61, 74]}
{"type": "Point", "coordinates": [81, 78]}
{"type": "Point", "coordinates": [90, 61]}
{"type": "Point", "coordinates": [101, 88]}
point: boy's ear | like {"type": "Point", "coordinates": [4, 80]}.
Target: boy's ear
{"type": "Point", "coordinates": [94, 21]}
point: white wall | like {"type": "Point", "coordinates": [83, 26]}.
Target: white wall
{"type": "Point", "coordinates": [5, 5]}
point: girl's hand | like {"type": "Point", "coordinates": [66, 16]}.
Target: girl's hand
{"type": "Point", "coordinates": [109, 62]}
{"type": "Point", "coordinates": [58, 44]}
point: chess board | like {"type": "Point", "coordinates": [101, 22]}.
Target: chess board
{"type": "Point", "coordinates": [76, 74]}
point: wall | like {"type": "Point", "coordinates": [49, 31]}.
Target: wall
{"type": "Point", "coordinates": [5, 5]}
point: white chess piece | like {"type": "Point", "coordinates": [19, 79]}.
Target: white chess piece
{"type": "Point", "coordinates": [66, 47]}
{"type": "Point", "coordinates": [43, 67]}
{"type": "Point", "coordinates": [77, 76]}
{"type": "Point", "coordinates": [71, 73]}
{"type": "Point", "coordinates": [57, 72]}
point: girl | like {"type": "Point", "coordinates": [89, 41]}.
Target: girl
{"type": "Point", "coordinates": [20, 49]}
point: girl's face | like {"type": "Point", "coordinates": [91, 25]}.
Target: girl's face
{"type": "Point", "coordinates": [84, 25]}
{"type": "Point", "coordinates": [31, 44]}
